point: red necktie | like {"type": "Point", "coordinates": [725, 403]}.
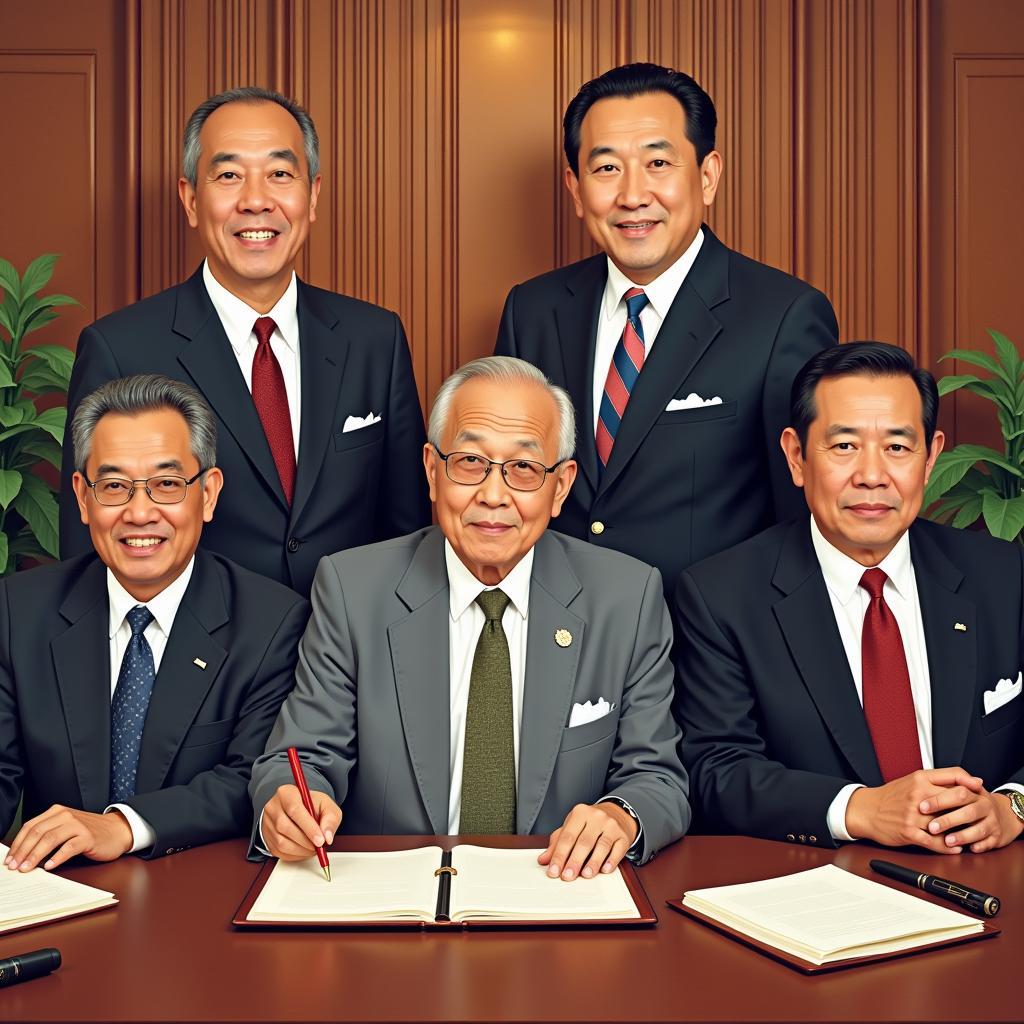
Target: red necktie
{"type": "Point", "coordinates": [271, 401]}
{"type": "Point", "coordinates": [627, 362]}
{"type": "Point", "coordinates": [888, 702]}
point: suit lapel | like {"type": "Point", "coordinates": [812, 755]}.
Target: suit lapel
{"type": "Point", "coordinates": [322, 354]}
{"type": "Point", "coordinates": [808, 624]}
{"type": "Point", "coordinates": [688, 330]}
{"type": "Point", "coordinates": [550, 676]}
{"type": "Point", "coordinates": [577, 319]}
{"type": "Point", "coordinates": [181, 685]}
{"type": "Point", "coordinates": [81, 660]}
{"type": "Point", "coordinates": [952, 653]}
{"type": "Point", "coordinates": [419, 659]}
{"type": "Point", "coordinates": [211, 364]}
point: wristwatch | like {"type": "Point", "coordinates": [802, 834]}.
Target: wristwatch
{"type": "Point", "coordinates": [1016, 802]}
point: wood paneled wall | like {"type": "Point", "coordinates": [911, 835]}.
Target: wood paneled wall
{"type": "Point", "coordinates": [871, 147]}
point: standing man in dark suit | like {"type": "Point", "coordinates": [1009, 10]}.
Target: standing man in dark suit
{"type": "Point", "coordinates": [138, 682]}
{"type": "Point", "coordinates": [321, 429]}
{"type": "Point", "coordinates": [856, 674]}
{"type": "Point", "coordinates": [678, 352]}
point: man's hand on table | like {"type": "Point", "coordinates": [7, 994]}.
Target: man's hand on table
{"type": "Point", "coordinates": [593, 838]}
{"type": "Point", "coordinates": [61, 833]}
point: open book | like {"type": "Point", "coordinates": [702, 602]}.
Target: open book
{"type": "Point", "coordinates": [36, 896]}
{"type": "Point", "coordinates": [829, 916]}
{"type": "Point", "coordinates": [429, 886]}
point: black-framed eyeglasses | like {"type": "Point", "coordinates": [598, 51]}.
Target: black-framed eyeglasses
{"type": "Point", "coordinates": [469, 468]}
{"type": "Point", "coordinates": [165, 489]}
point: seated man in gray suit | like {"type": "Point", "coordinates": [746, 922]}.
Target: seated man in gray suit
{"type": "Point", "coordinates": [138, 682]}
{"type": "Point", "coordinates": [484, 676]}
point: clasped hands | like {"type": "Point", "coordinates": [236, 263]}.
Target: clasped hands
{"type": "Point", "coordinates": [944, 810]}
{"type": "Point", "coordinates": [70, 833]}
{"type": "Point", "coordinates": [592, 839]}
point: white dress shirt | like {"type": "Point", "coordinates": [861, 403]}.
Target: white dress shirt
{"type": "Point", "coordinates": [465, 622]}
{"type": "Point", "coordinates": [661, 293]}
{"type": "Point", "coordinates": [850, 604]}
{"type": "Point", "coordinates": [238, 319]}
{"type": "Point", "coordinates": [163, 608]}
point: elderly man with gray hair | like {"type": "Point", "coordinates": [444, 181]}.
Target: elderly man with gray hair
{"type": "Point", "coordinates": [484, 676]}
{"type": "Point", "coordinates": [138, 682]}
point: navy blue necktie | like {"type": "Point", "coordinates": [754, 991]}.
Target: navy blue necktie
{"type": "Point", "coordinates": [129, 705]}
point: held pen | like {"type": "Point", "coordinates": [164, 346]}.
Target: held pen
{"type": "Point", "coordinates": [307, 802]}
{"type": "Point", "coordinates": [969, 899]}
{"type": "Point", "coordinates": [26, 966]}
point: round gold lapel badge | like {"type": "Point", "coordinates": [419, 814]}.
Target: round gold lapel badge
{"type": "Point", "coordinates": [563, 637]}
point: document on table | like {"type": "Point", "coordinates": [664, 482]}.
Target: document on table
{"type": "Point", "coordinates": [32, 897]}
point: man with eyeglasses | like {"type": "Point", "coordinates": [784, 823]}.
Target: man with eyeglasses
{"type": "Point", "coordinates": [138, 682]}
{"type": "Point", "coordinates": [484, 676]}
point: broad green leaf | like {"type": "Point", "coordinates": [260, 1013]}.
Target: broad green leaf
{"type": "Point", "coordinates": [55, 356]}
{"type": "Point", "coordinates": [45, 448]}
{"type": "Point", "coordinates": [42, 380]}
{"type": "Point", "coordinates": [53, 422]}
{"type": "Point", "coordinates": [993, 390]}
{"type": "Point", "coordinates": [6, 380]}
{"type": "Point", "coordinates": [10, 484]}
{"type": "Point", "coordinates": [37, 505]}
{"type": "Point", "coordinates": [1007, 352]}
{"type": "Point", "coordinates": [1004, 517]}
{"type": "Point", "coordinates": [9, 415]}
{"type": "Point", "coordinates": [19, 428]}
{"type": "Point", "coordinates": [7, 318]}
{"type": "Point", "coordinates": [4, 554]}
{"type": "Point", "coordinates": [951, 467]}
{"type": "Point", "coordinates": [26, 544]}
{"type": "Point", "coordinates": [37, 274]}
{"type": "Point", "coordinates": [982, 359]}
{"type": "Point", "coordinates": [9, 280]}
{"type": "Point", "coordinates": [41, 319]}
{"type": "Point", "coordinates": [947, 385]}
{"type": "Point", "coordinates": [968, 514]}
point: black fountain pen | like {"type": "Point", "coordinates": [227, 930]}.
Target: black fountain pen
{"type": "Point", "coordinates": [969, 899]}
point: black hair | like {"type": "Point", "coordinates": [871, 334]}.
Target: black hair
{"type": "Point", "coordinates": [632, 80]}
{"type": "Point", "coordinates": [863, 359]}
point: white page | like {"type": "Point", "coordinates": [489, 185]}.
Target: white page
{"type": "Point", "coordinates": [510, 883]}
{"type": "Point", "coordinates": [826, 910]}
{"type": "Point", "coordinates": [397, 883]}
{"type": "Point", "coordinates": [32, 896]}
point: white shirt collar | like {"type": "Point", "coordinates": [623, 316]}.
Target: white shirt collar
{"type": "Point", "coordinates": [842, 574]}
{"type": "Point", "coordinates": [464, 587]}
{"type": "Point", "coordinates": [661, 292]}
{"type": "Point", "coordinates": [238, 317]}
{"type": "Point", "coordinates": [163, 607]}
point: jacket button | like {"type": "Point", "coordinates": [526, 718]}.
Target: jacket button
{"type": "Point", "coordinates": [790, 836]}
{"type": "Point", "coordinates": [293, 545]}
{"type": "Point", "coordinates": [812, 839]}
{"type": "Point", "coordinates": [803, 839]}
{"type": "Point", "coordinates": [597, 528]}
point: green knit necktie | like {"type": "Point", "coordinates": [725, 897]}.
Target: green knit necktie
{"type": "Point", "coordinates": [488, 759]}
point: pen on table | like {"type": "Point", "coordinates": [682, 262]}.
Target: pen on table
{"type": "Point", "coordinates": [26, 966]}
{"type": "Point", "coordinates": [307, 802]}
{"type": "Point", "coordinates": [969, 899]}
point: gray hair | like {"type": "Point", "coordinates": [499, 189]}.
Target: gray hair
{"type": "Point", "coordinates": [146, 392]}
{"type": "Point", "coordinates": [190, 149]}
{"type": "Point", "coordinates": [504, 370]}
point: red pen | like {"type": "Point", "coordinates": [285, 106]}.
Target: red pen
{"type": "Point", "coordinates": [307, 802]}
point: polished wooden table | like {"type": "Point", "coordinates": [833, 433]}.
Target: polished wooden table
{"type": "Point", "coordinates": [168, 952]}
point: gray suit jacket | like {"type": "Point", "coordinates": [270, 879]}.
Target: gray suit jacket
{"type": "Point", "coordinates": [370, 708]}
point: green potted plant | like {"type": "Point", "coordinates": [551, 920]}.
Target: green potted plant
{"type": "Point", "coordinates": [28, 437]}
{"type": "Point", "coordinates": [973, 480]}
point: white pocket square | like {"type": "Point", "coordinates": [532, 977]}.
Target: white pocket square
{"type": "Point", "coordinates": [691, 401]}
{"type": "Point", "coordinates": [583, 713]}
{"type": "Point", "coordinates": [358, 422]}
{"type": "Point", "coordinates": [1005, 690]}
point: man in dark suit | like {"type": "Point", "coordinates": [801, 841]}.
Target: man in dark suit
{"type": "Point", "coordinates": [678, 352]}
{"type": "Point", "coordinates": [321, 428]}
{"type": "Point", "coordinates": [139, 682]}
{"type": "Point", "coordinates": [855, 674]}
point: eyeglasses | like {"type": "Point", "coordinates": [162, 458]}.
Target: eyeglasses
{"type": "Point", "coordinates": [164, 490]}
{"type": "Point", "coordinates": [520, 474]}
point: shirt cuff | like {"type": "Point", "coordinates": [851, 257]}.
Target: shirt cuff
{"type": "Point", "coordinates": [836, 817]}
{"type": "Point", "coordinates": [633, 853]}
{"type": "Point", "coordinates": [1016, 787]}
{"type": "Point", "coordinates": [143, 835]}
{"type": "Point", "coordinates": [261, 846]}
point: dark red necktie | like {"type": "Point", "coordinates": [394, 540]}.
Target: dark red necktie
{"type": "Point", "coordinates": [271, 401]}
{"type": "Point", "coordinates": [888, 701]}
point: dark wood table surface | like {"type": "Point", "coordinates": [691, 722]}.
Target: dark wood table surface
{"type": "Point", "coordinates": [168, 952]}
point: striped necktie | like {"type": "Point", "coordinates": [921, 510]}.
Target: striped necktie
{"type": "Point", "coordinates": [627, 362]}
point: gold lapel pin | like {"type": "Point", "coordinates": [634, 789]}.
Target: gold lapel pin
{"type": "Point", "coordinates": [563, 637]}
{"type": "Point", "coordinates": [960, 626]}
{"type": "Point", "coordinates": [199, 662]}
